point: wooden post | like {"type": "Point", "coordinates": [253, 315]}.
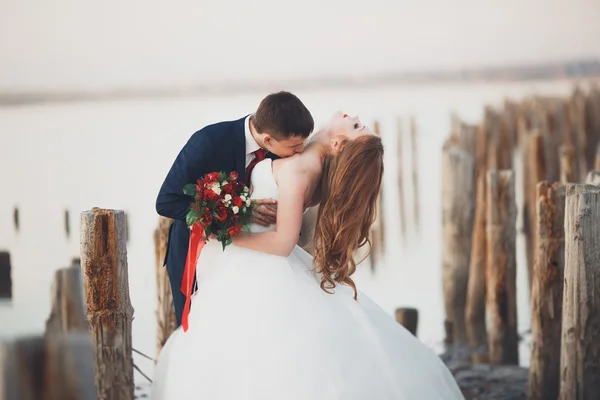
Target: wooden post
{"type": "Point", "coordinates": [377, 235]}
{"type": "Point", "coordinates": [408, 318]}
{"type": "Point", "coordinates": [5, 276]}
{"type": "Point", "coordinates": [593, 178]}
{"type": "Point", "coordinates": [567, 164]}
{"type": "Point", "coordinates": [307, 232]}
{"type": "Point", "coordinates": [457, 226]}
{"type": "Point", "coordinates": [16, 219]}
{"type": "Point", "coordinates": [165, 312]}
{"type": "Point", "coordinates": [67, 314]}
{"type": "Point", "coordinates": [51, 368]}
{"type": "Point", "coordinates": [580, 350]}
{"type": "Point", "coordinates": [108, 307]}
{"type": "Point", "coordinates": [401, 192]}
{"type": "Point", "coordinates": [415, 167]}
{"type": "Point", "coordinates": [547, 293]}
{"type": "Point", "coordinates": [537, 173]}
{"type": "Point", "coordinates": [501, 296]}
{"type": "Point", "coordinates": [475, 308]}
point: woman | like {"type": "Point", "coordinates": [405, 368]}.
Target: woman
{"type": "Point", "coordinates": [266, 324]}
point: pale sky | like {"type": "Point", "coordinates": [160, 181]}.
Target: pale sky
{"type": "Point", "coordinates": [79, 44]}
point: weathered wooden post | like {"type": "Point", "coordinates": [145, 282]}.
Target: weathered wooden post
{"type": "Point", "coordinates": [377, 230]}
{"type": "Point", "coordinates": [408, 318]}
{"type": "Point", "coordinates": [400, 173]}
{"type": "Point", "coordinates": [307, 232]}
{"type": "Point", "coordinates": [415, 168]}
{"type": "Point", "coordinates": [56, 367]}
{"type": "Point", "coordinates": [593, 178]}
{"type": "Point", "coordinates": [457, 225]}
{"type": "Point", "coordinates": [108, 307]}
{"type": "Point", "coordinates": [475, 307]}
{"type": "Point", "coordinates": [537, 173]}
{"type": "Point", "coordinates": [567, 164]}
{"type": "Point", "coordinates": [580, 347]}
{"type": "Point", "coordinates": [547, 292]}
{"type": "Point", "coordinates": [501, 296]}
{"type": "Point", "coordinates": [67, 313]}
{"type": "Point", "coordinates": [5, 276]}
{"type": "Point", "coordinates": [165, 312]}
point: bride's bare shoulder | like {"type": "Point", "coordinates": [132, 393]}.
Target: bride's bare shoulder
{"type": "Point", "coordinates": [291, 168]}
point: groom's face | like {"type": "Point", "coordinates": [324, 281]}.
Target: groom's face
{"type": "Point", "coordinates": [284, 147]}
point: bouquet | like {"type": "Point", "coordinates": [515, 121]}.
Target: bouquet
{"type": "Point", "coordinates": [221, 205]}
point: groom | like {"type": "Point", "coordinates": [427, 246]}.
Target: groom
{"type": "Point", "coordinates": [277, 129]}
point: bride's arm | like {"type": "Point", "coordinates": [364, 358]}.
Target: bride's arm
{"type": "Point", "coordinates": [290, 207]}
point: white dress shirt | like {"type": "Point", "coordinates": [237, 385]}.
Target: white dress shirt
{"type": "Point", "coordinates": [251, 145]}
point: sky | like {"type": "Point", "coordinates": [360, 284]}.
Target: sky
{"type": "Point", "coordinates": [78, 45]}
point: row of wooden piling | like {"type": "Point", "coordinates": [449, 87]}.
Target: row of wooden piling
{"type": "Point", "coordinates": [557, 141]}
{"type": "Point", "coordinates": [85, 352]}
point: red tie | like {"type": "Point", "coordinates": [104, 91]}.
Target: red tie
{"type": "Point", "coordinates": [259, 155]}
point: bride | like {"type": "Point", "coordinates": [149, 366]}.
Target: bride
{"type": "Point", "coordinates": [270, 322]}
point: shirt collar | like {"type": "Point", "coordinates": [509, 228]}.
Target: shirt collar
{"type": "Point", "coordinates": [251, 145]}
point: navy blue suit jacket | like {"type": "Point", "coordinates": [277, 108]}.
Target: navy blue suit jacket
{"type": "Point", "coordinates": [217, 147]}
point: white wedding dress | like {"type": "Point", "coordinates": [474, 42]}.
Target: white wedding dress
{"type": "Point", "coordinates": [261, 328]}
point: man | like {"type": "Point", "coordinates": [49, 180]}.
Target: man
{"type": "Point", "coordinates": [278, 128]}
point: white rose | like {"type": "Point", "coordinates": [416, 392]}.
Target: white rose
{"type": "Point", "coordinates": [215, 187]}
{"type": "Point", "coordinates": [248, 202]}
{"type": "Point", "coordinates": [243, 197]}
{"type": "Point", "coordinates": [235, 209]}
{"type": "Point", "coordinates": [227, 197]}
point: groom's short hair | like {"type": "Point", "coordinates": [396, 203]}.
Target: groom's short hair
{"type": "Point", "coordinates": [283, 115]}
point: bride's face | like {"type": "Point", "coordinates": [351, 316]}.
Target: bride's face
{"type": "Point", "coordinates": [344, 127]}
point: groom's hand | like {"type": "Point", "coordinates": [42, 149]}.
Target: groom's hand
{"type": "Point", "coordinates": [266, 212]}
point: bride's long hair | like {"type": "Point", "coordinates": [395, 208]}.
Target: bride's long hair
{"type": "Point", "coordinates": [349, 188]}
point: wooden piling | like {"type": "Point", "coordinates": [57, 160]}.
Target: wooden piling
{"type": "Point", "coordinates": [547, 292]}
{"type": "Point", "coordinates": [593, 178]}
{"type": "Point", "coordinates": [501, 296]}
{"type": "Point", "coordinates": [377, 233]}
{"type": "Point", "coordinates": [401, 192]}
{"type": "Point", "coordinates": [567, 164]}
{"type": "Point", "coordinates": [475, 307]}
{"type": "Point", "coordinates": [457, 225]}
{"type": "Point", "coordinates": [537, 173]}
{"type": "Point", "coordinates": [5, 276]}
{"type": "Point", "coordinates": [415, 167]}
{"type": "Point", "coordinates": [51, 368]}
{"type": "Point", "coordinates": [408, 318]}
{"type": "Point", "coordinates": [107, 304]}
{"type": "Point", "coordinates": [580, 347]}
{"type": "Point", "coordinates": [165, 311]}
{"type": "Point", "coordinates": [307, 232]}
{"type": "Point", "coordinates": [67, 312]}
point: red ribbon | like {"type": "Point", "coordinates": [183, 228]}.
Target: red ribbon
{"type": "Point", "coordinates": [187, 283]}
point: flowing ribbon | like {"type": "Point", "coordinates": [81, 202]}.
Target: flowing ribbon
{"type": "Point", "coordinates": [187, 283]}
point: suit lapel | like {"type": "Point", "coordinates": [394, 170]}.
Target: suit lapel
{"type": "Point", "coordinates": [239, 148]}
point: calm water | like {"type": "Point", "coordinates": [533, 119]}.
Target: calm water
{"type": "Point", "coordinates": [115, 155]}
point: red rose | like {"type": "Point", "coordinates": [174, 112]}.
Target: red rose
{"type": "Point", "coordinates": [212, 177]}
{"type": "Point", "coordinates": [222, 213]}
{"type": "Point", "coordinates": [233, 176]}
{"type": "Point", "coordinates": [227, 188]}
{"type": "Point", "coordinates": [210, 195]}
{"type": "Point", "coordinates": [234, 230]}
{"type": "Point", "coordinates": [237, 201]}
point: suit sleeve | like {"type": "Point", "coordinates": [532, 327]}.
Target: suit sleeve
{"type": "Point", "coordinates": [191, 163]}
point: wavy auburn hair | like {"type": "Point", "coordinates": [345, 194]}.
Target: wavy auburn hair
{"type": "Point", "coordinates": [349, 188]}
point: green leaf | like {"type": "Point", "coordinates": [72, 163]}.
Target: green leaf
{"type": "Point", "coordinates": [190, 218]}
{"type": "Point", "coordinates": [190, 189]}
